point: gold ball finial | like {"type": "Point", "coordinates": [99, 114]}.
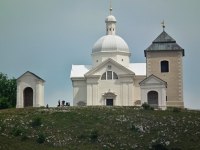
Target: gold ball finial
{"type": "Point", "coordinates": [110, 7]}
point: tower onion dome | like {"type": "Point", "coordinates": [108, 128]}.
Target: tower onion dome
{"type": "Point", "coordinates": [110, 42]}
{"type": "Point", "coordinates": [110, 18]}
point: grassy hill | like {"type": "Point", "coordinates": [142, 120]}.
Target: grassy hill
{"type": "Point", "coordinates": [98, 128]}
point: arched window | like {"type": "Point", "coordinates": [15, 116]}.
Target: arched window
{"type": "Point", "coordinates": [103, 77]}
{"type": "Point", "coordinates": [115, 75]}
{"type": "Point", "coordinates": [109, 75]}
{"type": "Point", "coordinates": [164, 66]}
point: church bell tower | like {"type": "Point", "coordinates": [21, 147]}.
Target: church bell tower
{"type": "Point", "coordinates": [164, 60]}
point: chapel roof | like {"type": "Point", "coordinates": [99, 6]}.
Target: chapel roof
{"type": "Point", "coordinates": [164, 42]}
{"type": "Point", "coordinates": [153, 76]}
{"type": "Point", "coordinates": [32, 74]}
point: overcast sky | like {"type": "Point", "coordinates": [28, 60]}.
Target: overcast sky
{"type": "Point", "coordinates": [47, 36]}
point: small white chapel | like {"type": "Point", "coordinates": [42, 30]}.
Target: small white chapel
{"type": "Point", "coordinates": [112, 80]}
{"type": "Point", "coordinates": [30, 90]}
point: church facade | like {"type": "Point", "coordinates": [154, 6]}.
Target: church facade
{"type": "Point", "coordinates": [113, 80]}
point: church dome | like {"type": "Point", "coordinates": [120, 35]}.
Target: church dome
{"type": "Point", "coordinates": [110, 18]}
{"type": "Point", "coordinates": [110, 43]}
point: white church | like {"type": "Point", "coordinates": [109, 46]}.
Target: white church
{"type": "Point", "coordinates": [112, 80]}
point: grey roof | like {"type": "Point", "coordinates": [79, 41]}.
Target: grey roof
{"type": "Point", "coordinates": [152, 75]}
{"type": "Point", "coordinates": [32, 74]}
{"type": "Point", "coordinates": [164, 42]}
{"type": "Point", "coordinates": [164, 37]}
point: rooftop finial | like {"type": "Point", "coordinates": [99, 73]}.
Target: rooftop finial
{"type": "Point", "coordinates": [163, 25]}
{"type": "Point", "coordinates": [110, 7]}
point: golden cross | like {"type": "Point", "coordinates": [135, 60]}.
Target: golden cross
{"type": "Point", "coordinates": [163, 25]}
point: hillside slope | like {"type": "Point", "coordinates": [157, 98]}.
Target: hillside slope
{"type": "Point", "coordinates": [98, 128]}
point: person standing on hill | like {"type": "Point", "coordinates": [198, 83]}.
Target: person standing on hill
{"type": "Point", "coordinates": [59, 103]}
{"type": "Point", "coordinates": [63, 103]}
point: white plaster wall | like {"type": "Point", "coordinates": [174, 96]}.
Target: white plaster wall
{"type": "Point", "coordinates": [39, 94]}
{"type": "Point", "coordinates": [109, 86]}
{"type": "Point", "coordinates": [136, 88]}
{"type": "Point", "coordinates": [28, 80]}
{"type": "Point", "coordinates": [98, 58]}
{"type": "Point", "coordinates": [91, 90]}
{"type": "Point", "coordinates": [79, 92]}
{"type": "Point", "coordinates": [105, 68]}
{"type": "Point", "coordinates": [110, 25]}
{"type": "Point", "coordinates": [123, 88]}
{"type": "Point", "coordinates": [161, 94]}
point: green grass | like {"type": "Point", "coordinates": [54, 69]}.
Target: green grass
{"type": "Point", "coordinates": [98, 128]}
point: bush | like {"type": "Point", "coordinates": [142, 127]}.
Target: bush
{"type": "Point", "coordinates": [8, 94]}
{"type": "Point", "coordinates": [94, 135]}
{"type": "Point", "coordinates": [82, 136]}
{"type": "Point", "coordinates": [159, 147]}
{"type": "Point", "coordinates": [133, 127]}
{"type": "Point", "coordinates": [152, 108]}
{"type": "Point", "coordinates": [41, 138]}
{"type": "Point", "coordinates": [37, 122]}
{"type": "Point", "coordinates": [24, 138]}
{"type": "Point", "coordinates": [176, 109]}
{"type": "Point", "coordinates": [145, 106]}
{"type": "Point", "coordinates": [2, 127]}
{"type": "Point", "coordinates": [17, 131]}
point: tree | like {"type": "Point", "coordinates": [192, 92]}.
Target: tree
{"type": "Point", "coordinates": [8, 90]}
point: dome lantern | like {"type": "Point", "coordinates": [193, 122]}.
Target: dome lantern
{"type": "Point", "coordinates": [110, 25]}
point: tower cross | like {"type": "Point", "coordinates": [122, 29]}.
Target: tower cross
{"type": "Point", "coordinates": [163, 25]}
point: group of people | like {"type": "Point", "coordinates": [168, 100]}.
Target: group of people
{"type": "Point", "coordinates": [63, 103]}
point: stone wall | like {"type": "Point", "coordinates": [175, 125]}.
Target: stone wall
{"type": "Point", "coordinates": [173, 78]}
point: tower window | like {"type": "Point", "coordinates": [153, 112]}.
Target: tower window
{"type": "Point", "coordinates": [109, 75]}
{"type": "Point", "coordinates": [110, 29]}
{"type": "Point", "coordinates": [113, 29]}
{"type": "Point", "coordinates": [164, 66]}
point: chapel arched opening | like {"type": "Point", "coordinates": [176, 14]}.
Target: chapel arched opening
{"type": "Point", "coordinates": [28, 97]}
{"type": "Point", "coordinates": [153, 99]}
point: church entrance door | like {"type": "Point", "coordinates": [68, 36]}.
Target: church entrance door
{"type": "Point", "coordinates": [28, 97]}
{"type": "Point", "coordinates": [109, 102]}
{"type": "Point", "coordinates": [153, 99]}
